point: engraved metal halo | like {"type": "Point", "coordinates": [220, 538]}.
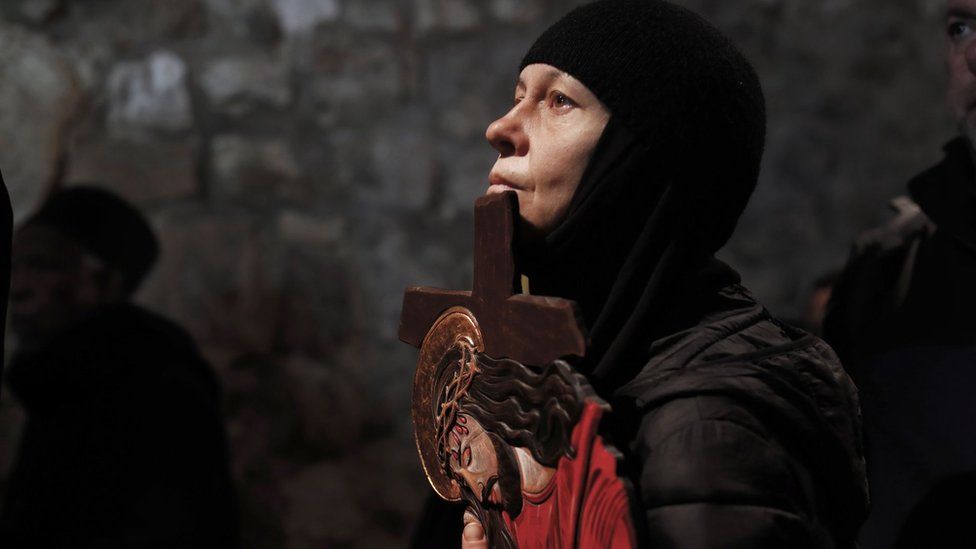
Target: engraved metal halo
{"type": "Point", "coordinates": [455, 326]}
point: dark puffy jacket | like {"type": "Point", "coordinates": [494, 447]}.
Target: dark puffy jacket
{"type": "Point", "coordinates": [745, 433]}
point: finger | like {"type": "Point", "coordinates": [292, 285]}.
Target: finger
{"type": "Point", "coordinates": [473, 536]}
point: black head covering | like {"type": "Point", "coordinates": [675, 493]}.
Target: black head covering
{"type": "Point", "coordinates": [668, 180]}
{"type": "Point", "coordinates": [106, 226]}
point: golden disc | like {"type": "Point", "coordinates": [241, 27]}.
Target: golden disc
{"type": "Point", "coordinates": [454, 326]}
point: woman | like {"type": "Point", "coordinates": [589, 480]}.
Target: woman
{"type": "Point", "coordinates": [633, 145]}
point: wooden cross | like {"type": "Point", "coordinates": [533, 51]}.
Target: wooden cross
{"type": "Point", "coordinates": [533, 330]}
{"type": "Point", "coordinates": [448, 325]}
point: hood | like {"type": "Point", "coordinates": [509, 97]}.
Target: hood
{"type": "Point", "coordinates": [667, 181]}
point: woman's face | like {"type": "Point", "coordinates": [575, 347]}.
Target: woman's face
{"type": "Point", "coordinates": [544, 143]}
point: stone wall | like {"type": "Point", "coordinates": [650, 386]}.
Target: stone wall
{"type": "Point", "coordinates": [305, 160]}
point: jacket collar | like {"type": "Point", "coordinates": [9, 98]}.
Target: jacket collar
{"type": "Point", "coordinates": [947, 193]}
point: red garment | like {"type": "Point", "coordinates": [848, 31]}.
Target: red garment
{"type": "Point", "coordinates": [585, 505]}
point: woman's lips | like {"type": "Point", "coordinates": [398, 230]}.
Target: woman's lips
{"type": "Point", "coordinates": [495, 189]}
{"type": "Point", "coordinates": [498, 184]}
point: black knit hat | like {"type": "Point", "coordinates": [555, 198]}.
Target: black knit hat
{"type": "Point", "coordinates": [106, 226]}
{"type": "Point", "coordinates": [664, 72]}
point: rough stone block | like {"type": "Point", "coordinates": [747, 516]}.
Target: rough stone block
{"type": "Point", "coordinates": [353, 78]}
{"type": "Point", "coordinates": [394, 252]}
{"type": "Point", "coordinates": [445, 15]}
{"type": "Point", "coordinates": [369, 504]}
{"type": "Point", "coordinates": [91, 62]}
{"type": "Point", "coordinates": [33, 11]}
{"type": "Point", "coordinates": [467, 116]}
{"type": "Point", "coordinates": [255, 169]}
{"type": "Point", "coordinates": [373, 14]}
{"type": "Point", "coordinates": [515, 11]}
{"type": "Point", "coordinates": [306, 229]}
{"type": "Point", "coordinates": [347, 163]}
{"type": "Point", "coordinates": [316, 302]}
{"type": "Point", "coordinates": [300, 17]}
{"type": "Point", "coordinates": [38, 98]}
{"type": "Point", "coordinates": [237, 85]}
{"type": "Point", "coordinates": [327, 485]}
{"type": "Point", "coordinates": [471, 81]}
{"type": "Point", "coordinates": [465, 167]}
{"type": "Point", "coordinates": [150, 94]}
{"type": "Point", "coordinates": [402, 156]}
{"type": "Point", "coordinates": [254, 20]}
{"type": "Point", "coordinates": [145, 172]}
{"type": "Point", "coordinates": [213, 277]}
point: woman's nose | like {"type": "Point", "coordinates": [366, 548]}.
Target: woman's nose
{"type": "Point", "coordinates": [970, 54]}
{"type": "Point", "coordinates": [507, 135]}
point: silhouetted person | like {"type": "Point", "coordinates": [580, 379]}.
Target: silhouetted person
{"type": "Point", "coordinates": [6, 228]}
{"type": "Point", "coordinates": [816, 306]}
{"type": "Point", "coordinates": [124, 444]}
{"type": "Point", "coordinates": [944, 517]}
{"type": "Point", "coordinates": [903, 319]}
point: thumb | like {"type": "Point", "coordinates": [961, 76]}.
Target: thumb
{"type": "Point", "coordinates": [473, 536]}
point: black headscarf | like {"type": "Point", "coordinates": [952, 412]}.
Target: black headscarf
{"type": "Point", "coordinates": [666, 184]}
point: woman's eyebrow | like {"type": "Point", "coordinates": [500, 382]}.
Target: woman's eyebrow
{"type": "Point", "coordinates": [961, 13]}
{"type": "Point", "coordinates": [550, 75]}
{"type": "Point", "coordinates": [556, 73]}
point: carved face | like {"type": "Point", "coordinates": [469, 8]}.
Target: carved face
{"type": "Point", "coordinates": [474, 460]}
{"type": "Point", "coordinates": [544, 143]}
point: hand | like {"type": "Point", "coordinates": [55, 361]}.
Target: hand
{"type": "Point", "coordinates": [473, 535]}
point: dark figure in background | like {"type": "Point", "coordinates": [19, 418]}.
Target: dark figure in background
{"type": "Point", "coordinates": [633, 145]}
{"type": "Point", "coordinates": [816, 306]}
{"type": "Point", "coordinates": [903, 320]}
{"type": "Point", "coordinates": [6, 228]}
{"type": "Point", "coordinates": [124, 444]}
{"type": "Point", "coordinates": [944, 517]}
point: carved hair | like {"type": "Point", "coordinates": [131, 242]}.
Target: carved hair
{"type": "Point", "coordinates": [526, 407]}
{"type": "Point", "coordinates": [518, 406]}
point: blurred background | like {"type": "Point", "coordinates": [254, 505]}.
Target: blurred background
{"type": "Point", "coordinates": [303, 161]}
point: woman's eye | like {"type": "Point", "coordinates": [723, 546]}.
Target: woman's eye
{"type": "Point", "coordinates": [561, 101]}
{"type": "Point", "coordinates": [958, 29]}
{"type": "Point", "coordinates": [466, 457]}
